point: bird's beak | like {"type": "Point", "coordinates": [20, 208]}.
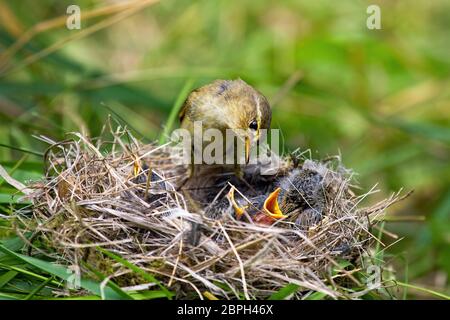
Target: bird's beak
{"type": "Point", "coordinates": [271, 206]}
{"type": "Point", "coordinates": [247, 150]}
{"type": "Point", "coordinates": [239, 211]}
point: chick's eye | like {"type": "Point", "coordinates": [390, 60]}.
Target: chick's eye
{"type": "Point", "coordinates": [253, 125]}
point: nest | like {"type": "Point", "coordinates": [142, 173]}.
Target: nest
{"type": "Point", "coordinates": [122, 195]}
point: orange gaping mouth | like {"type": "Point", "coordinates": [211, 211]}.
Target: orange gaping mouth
{"type": "Point", "coordinates": [271, 206]}
{"type": "Point", "coordinates": [239, 211]}
{"type": "Point", "coordinates": [136, 168]}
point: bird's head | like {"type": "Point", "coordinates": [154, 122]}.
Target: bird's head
{"type": "Point", "coordinates": [242, 109]}
{"type": "Point", "coordinates": [229, 104]}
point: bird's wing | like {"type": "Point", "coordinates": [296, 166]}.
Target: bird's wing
{"type": "Point", "coordinates": [189, 100]}
{"type": "Point", "coordinates": [182, 113]}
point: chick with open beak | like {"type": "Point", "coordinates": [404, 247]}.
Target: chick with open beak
{"type": "Point", "coordinates": [298, 197]}
{"type": "Point", "coordinates": [302, 197]}
{"type": "Point", "coordinates": [228, 105]}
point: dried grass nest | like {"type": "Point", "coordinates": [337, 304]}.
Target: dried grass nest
{"type": "Point", "coordinates": [90, 197]}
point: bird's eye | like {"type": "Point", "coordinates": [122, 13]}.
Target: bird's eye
{"type": "Point", "coordinates": [253, 125]}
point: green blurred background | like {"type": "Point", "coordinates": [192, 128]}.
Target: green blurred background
{"type": "Point", "coordinates": [380, 98]}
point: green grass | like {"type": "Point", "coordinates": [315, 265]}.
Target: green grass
{"type": "Point", "coordinates": [17, 269]}
{"type": "Point", "coordinates": [380, 98]}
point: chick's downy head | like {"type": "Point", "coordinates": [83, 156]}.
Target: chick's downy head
{"type": "Point", "coordinates": [299, 197]}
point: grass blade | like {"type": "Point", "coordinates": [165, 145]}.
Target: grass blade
{"type": "Point", "coordinates": [285, 292]}
{"type": "Point", "coordinates": [63, 273]}
{"type": "Point", "coordinates": [316, 296]}
{"type": "Point", "coordinates": [27, 273]}
{"type": "Point", "coordinates": [149, 295]}
{"type": "Point", "coordinates": [113, 286]}
{"type": "Point", "coordinates": [35, 153]}
{"type": "Point", "coordinates": [7, 277]}
{"type": "Point", "coordinates": [38, 288]}
{"type": "Point", "coordinates": [138, 270]}
{"type": "Point", "coordinates": [176, 110]}
{"type": "Point", "coordinates": [7, 296]}
{"type": "Point", "coordinates": [429, 291]}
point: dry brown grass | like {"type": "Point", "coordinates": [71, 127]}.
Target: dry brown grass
{"type": "Point", "coordinates": [91, 198]}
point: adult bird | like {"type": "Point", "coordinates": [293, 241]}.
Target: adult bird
{"type": "Point", "coordinates": [231, 105]}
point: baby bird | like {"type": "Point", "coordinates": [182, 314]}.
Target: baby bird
{"type": "Point", "coordinates": [301, 197]}
{"type": "Point", "coordinates": [298, 197]}
{"type": "Point", "coordinates": [228, 104]}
